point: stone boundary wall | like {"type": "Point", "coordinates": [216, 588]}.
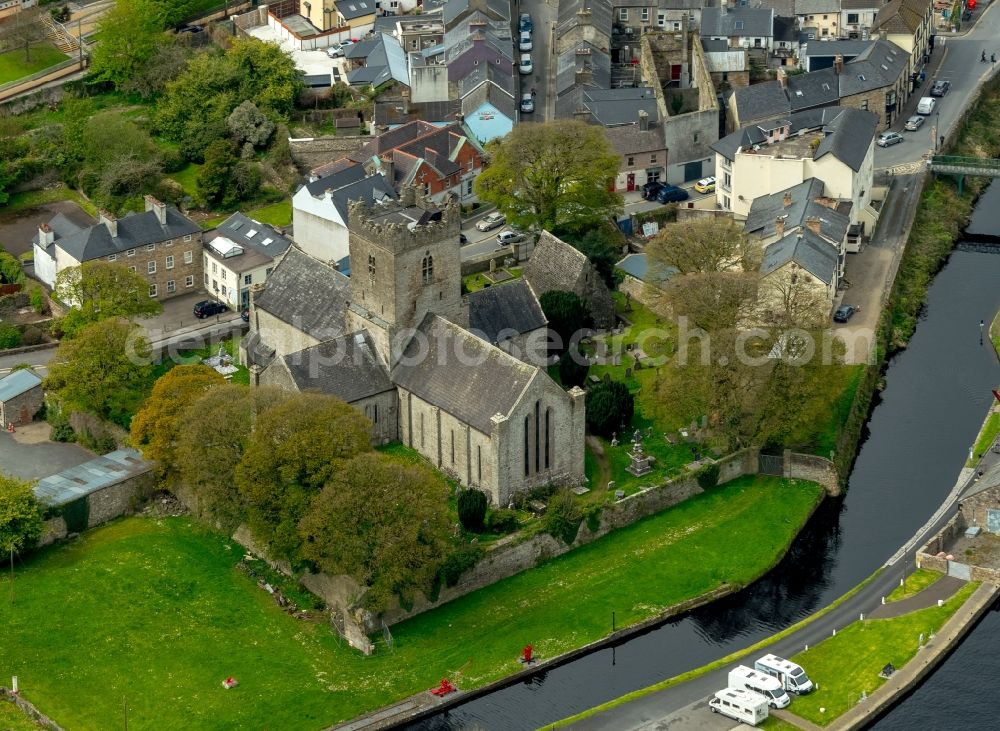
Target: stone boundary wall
{"type": "Point", "coordinates": [113, 501]}
{"type": "Point", "coordinates": [29, 709]}
{"type": "Point", "coordinates": [927, 557]}
{"type": "Point", "coordinates": [813, 468]}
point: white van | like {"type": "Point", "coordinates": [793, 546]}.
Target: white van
{"type": "Point", "coordinates": [761, 683]}
{"type": "Point", "coordinates": [739, 704]}
{"type": "Point", "coordinates": [792, 677]}
{"type": "Point", "coordinates": [926, 105]}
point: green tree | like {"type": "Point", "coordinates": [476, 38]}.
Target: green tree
{"type": "Point", "coordinates": [104, 370]}
{"type": "Point", "coordinates": [472, 506]}
{"type": "Point", "coordinates": [100, 289]}
{"type": "Point", "coordinates": [21, 520]}
{"type": "Point", "coordinates": [131, 32]}
{"type": "Point", "coordinates": [11, 271]}
{"type": "Point", "coordinates": [296, 447]}
{"type": "Point", "coordinates": [7, 177]}
{"type": "Point", "coordinates": [563, 517]}
{"type": "Point", "coordinates": [119, 159]}
{"type": "Point", "coordinates": [215, 177]}
{"type": "Point", "coordinates": [599, 246]}
{"type": "Point", "coordinates": [552, 175]}
{"type": "Point", "coordinates": [567, 315]}
{"type": "Point", "coordinates": [383, 522]}
{"type": "Point", "coordinates": [610, 406]}
{"type": "Point", "coordinates": [10, 336]}
{"type": "Point", "coordinates": [248, 124]}
{"type": "Point", "coordinates": [704, 245]}
{"type": "Point", "coordinates": [573, 368]}
{"type": "Point", "coordinates": [157, 426]}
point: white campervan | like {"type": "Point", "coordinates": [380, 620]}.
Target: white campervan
{"type": "Point", "coordinates": [739, 704]}
{"type": "Point", "coordinates": [791, 676]}
{"type": "Point", "coordinates": [762, 683]}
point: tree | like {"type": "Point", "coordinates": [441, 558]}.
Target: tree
{"type": "Point", "coordinates": [131, 32]}
{"type": "Point", "coordinates": [248, 124]}
{"type": "Point", "coordinates": [168, 61]}
{"type": "Point", "coordinates": [610, 406]}
{"type": "Point", "coordinates": [711, 300]}
{"type": "Point", "coordinates": [21, 521]}
{"type": "Point", "coordinates": [296, 447]}
{"type": "Point", "coordinates": [550, 175]}
{"type": "Point", "coordinates": [596, 245]}
{"type": "Point", "coordinates": [567, 315]}
{"type": "Point", "coordinates": [381, 521]}
{"type": "Point", "coordinates": [24, 30]}
{"type": "Point", "coordinates": [703, 245]}
{"type": "Point", "coordinates": [104, 370]}
{"type": "Point", "coordinates": [472, 506]}
{"type": "Point", "coordinates": [11, 271]}
{"type": "Point", "coordinates": [100, 289]}
{"type": "Point", "coordinates": [7, 177]}
{"type": "Point", "coordinates": [116, 158]}
{"type": "Point", "coordinates": [157, 426]}
{"type": "Point", "coordinates": [215, 178]}
{"type": "Point", "coordinates": [573, 368]}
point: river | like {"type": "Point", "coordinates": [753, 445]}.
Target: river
{"type": "Point", "coordinates": [936, 395]}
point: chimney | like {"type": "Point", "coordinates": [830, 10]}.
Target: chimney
{"type": "Point", "coordinates": [584, 77]}
{"type": "Point", "coordinates": [108, 220]}
{"type": "Point", "coordinates": [583, 16]}
{"type": "Point", "coordinates": [838, 64]}
{"type": "Point", "coordinates": [779, 227]}
{"type": "Point", "coordinates": [154, 205]}
{"type": "Point", "coordinates": [787, 200]}
{"type": "Point", "coordinates": [643, 120]}
{"type": "Point", "coordinates": [782, 78]}
{"type": "Point", "coordinates": [813, 223]}
{"type": "Point", "coordinates": [45, 235]}
{"type": "Point", "coordinates": [388, 168]}
{"type": "Point", "coordinates": [408, 195]}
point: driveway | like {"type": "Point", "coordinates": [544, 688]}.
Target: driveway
{"type": "Point", "coordinates": [16, 231]}
{"type": "Point", "coordinates": [29, 455]}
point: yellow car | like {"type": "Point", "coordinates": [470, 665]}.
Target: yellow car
{"type": "Point", "coordinates": [705, 185]}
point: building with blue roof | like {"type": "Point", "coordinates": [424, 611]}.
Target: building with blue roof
{"type": "Point", "coordinates": [20, 397]}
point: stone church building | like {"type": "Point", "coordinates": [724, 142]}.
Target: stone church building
{"type": "Point", "coordinates": [393, 340]}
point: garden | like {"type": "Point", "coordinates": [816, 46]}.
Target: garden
{"type": "Point", "coordinates": [13, 65]}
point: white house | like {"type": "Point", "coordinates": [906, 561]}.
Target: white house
{"type": "Point", "coordinates": [239, 254]}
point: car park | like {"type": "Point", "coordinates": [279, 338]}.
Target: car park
{"type": "Point", "coordinates": [207, 308]}
{"type": "Point", "coordinates": [524, 44]}
{"type": "Point", "coordinates": [505, 238]}
{"type": "Point", "coordinates": [527, 103]}
{"type": "Point", "coordinates": [705, 185]}
{"type": "Point", "coordinates": [524, 23]}
{"type": "Point", "coordinates": [526, 66]}
{"type": "Point", "coordinates": [491, 221]}
{"type": "Point", "coordinates": [650, 189]}
{"type": "Point", "coordinates": [940, 88]}
{"type": "Point", "coordinates": [844, 313]}
{"type": "Point", "coordinates": [887, 139]}
{"type": "Point", "coordinates": [914, 122]}
{"type": "Point", "coordinates": [672, 194]}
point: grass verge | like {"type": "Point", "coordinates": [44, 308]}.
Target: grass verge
{"type": "Point", "coordinates": [991, 427]}
{"type": "Point", "coordinates": [915, 583]}
{"type": "Point", "coordinates": [12, 719]}
{"type": "Point", "coordinates": [849, 664]}
{"type": "Point", "coordinates": [153, 610]}
{"type": "Point", "coordinates": [14, 67]}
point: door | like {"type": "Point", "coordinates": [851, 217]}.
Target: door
{"type": "Point", "coordinates": [692, 170]}
{"type": "Point", "coordinates": [630, 182]}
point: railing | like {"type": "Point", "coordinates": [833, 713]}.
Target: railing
{"type": "Point", "coordinates": [943, 162]}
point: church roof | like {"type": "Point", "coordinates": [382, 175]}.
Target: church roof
{"type": "Point", "coordinates": [307, 293]}
{"type": "Point", "coordinates": [505, 310]}
{"type": "Point", "coordinates": [348, 367]}
{"type": "Point", "coordinates": [472, 380]}
{"type": "Point", "coordinates": [555, 265]}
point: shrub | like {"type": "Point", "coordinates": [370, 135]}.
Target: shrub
{"type": "Point", "coordinates": [567, 315]}
{"type": "Point", "coordinates": [472, 509]}
{"type": "Point", "coordinates": [458, 562]}
{"type": "Point", "coordinates": [38, 303]}
{"type": "Point", "coordinates": [10, 336]}
{"type": "Point", "coordinates": [502, 520]}
{"type": "Point", "coordinates": [593, 517]}
{"type": "Point", "coordinates": [562, 517]}
{"type": "Point", "coordinates": [708, 476]}
{"type": "Point", "coordinates": [31, 336]}
{"type": "Point", "coordinates": [61, 431]}
{"type": "Point", "coordinates": [610, 405]}
{"type": "Point", "coordinates": [573, 368]}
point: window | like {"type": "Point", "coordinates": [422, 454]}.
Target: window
{"type": "Point", "coordinates": [427, 188]}
{"type": "Point", "coordinates": [130, 252]}
{"type": "Point", "coordinates": [661, 19]}
{"type": "Point", "coordinates": [170, 262]}
{"type": "Point", "coordinates": [630, 162]}
{"type": "Point", "coordinates": [224, 292]}
{"type": "Point", "coordinates": [371, 268]}
{"type": "Point", "coordinates": [548, 431]}
{"type": "Point", "coordinates": [623, 14]}
{"type": "Point", "coordinates": [206, 261]}
{"type": "Point", "coordinates": [538, 436]}
{"type": "Point", "coordinates": [151, 267]}
{"type": "Point", "coordinates": [188, 257]}
{"type": "Point", "coordinates": [224, 273]}
{"type": "Point", "coordinates": [695, 136]}
{"type": "Point", "coordinates": [472, 163]}
{"type": "Point", "coordinates": [644, 15]}
{"type": "Point", "coordinates": [453, 446]}
{"type": "Point", "coordinates": [421, 429]}
{"type": "Point", "coordinates": [150, 247]}
{"type": "Point", "coordinates": [248, 279]}
{"type": "Point", "coordinates": [215, 286]}
{"type": "Point", "coordinates": [112, 257]}
{"type": "Point", "coordinates": [479, 463]}
{"type": "Point", "coordinates": [171, 287]}
{"type": "Point", "coordinates": [152, 290]}
{"type": "Point", "coordinates": [852, 18]}
{"type": "Point", "coordinates": [414, 44]}
{"type": "Point", "coordinates": [131, 269]}
{"type": "Point", "coordinates": [375, 410]}
{"type": "Point", "coordinates": [864, 104]}
{"type": "Point", "coordinates": [187, 237]}
{"type": "Point", "coordinates": [169, 242]}
{"type": "Point", "coordinates": [189, 280]}
{"type": "Point", "coordinates": [268, 272]}
{"type": "Point", "coordinates": [824, 17]}
{"type": "Point", "coordinates": [214, 268]}
{"type": "Point", "coordinates": [652, 158]}
{"type": "Point", "coordinates": [206, 279]}
{"type": "Point", "coordinates": [527, 461]}
{"type": "Point", "coordinates": [427, 268]}
{"type": "Point", "coordinates": [738, 25]}
{"type": "Point", "coordinates": [826, 31]}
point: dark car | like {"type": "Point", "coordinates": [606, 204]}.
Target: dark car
{"type": "Point", "coordinates": [844, 312]}
{"type": "Point", "coordinates": [671, 194]}
{"type": "Point", "coordinates": [940, 88]}
{"type": "Point", "coordinates": [650, 189]}
{"type": "Point", "coordinates": [245, 314]}
{"type": "Point", "coordinates": [463, 239]}
{"type": "Point", "coordinates": [207, 308]}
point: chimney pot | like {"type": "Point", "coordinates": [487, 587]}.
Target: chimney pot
{"type": "Point", "coordinates": [779, 226]}
{"type": "Point", "coordinates": [783, 78]}
{"type": "Point", "coordinates": [109, 221]}
{"type": "Point", "coordinates": [787, 200]}
{"type": "Point", "coordinates": [152, 204]}
{"type": "Point", "coordinates": [813, 224]}
{"type": "Point", "coordinates": [838, 64]}
{"type": "Point", "coordinates": [643, 120]}
{"type": "Point", "coordinates": [45, 235]}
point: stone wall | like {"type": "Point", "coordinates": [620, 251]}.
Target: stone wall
{"type": "Point", "coordinates": [28, 709]}
{"type": "Point", "coordinates": [22, 409]}
{"type": "Point", "coordinates": [113, 501]}
{"type": "Point", "coordinates": [311, 152]}
{"type": "Point", "coordinates": [813, 468]}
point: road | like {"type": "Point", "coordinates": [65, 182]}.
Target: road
{"type": "Point", "coordinates": [543, 16]}
{"type": "Point", "coordinates": [37, 359]}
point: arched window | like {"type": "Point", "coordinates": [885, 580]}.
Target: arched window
{"type": "Point", "coordinates": [371, 267]}
{"type": "Point", "coordinates": [427, 268]}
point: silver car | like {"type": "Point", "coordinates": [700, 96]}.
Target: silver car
{"type": "Point", "coordinates": [914, 122]}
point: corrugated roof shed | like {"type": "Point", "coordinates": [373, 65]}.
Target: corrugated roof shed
{"type": "Point", "coordinates": [89, 477]}
{"type": "Point", "coordinates": [17, 383]}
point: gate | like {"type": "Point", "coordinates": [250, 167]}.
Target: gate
{"type": "Point", "coordinates": [771, 464]}
{"type": "Point", "coordinates": [960, 570]}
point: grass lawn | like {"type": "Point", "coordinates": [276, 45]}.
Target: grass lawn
{"type": "Point", "coordinates": [189, 357]}
{"type": "Point", "coordinates": [915, 583]}
{"type": "Point", "coordinates": [850, 663]}
{"type": "Point", "coordinates": [476, 282]}
{"type": "Point", "coordinates": [12, 719]}
{"type": "Point", "coordinates": [153, 610]}
{"type": "Point", "coordinates": [20, 202]}
{"type": "Point", "coordinates": [991, 427]}
{"type": "Point", "coordinates": [187, 178]}
{"type": "Point", "coordinates": [277, 214]}
{"type": "Point", "coordinates": [776, 724]}
{"type": "Point", "coordinates": [13, 66]}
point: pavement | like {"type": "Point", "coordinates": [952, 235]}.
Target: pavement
{"type": "Point", "coordinates": [28, 455]}
{"type": "Point", "coordinates": [942, 589]}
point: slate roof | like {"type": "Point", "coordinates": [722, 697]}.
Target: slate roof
{"type": "Point", "coordinates": [601, 14]}
{"type": "Point", "coordinates": [506, 309]}
{"type": "Point", "coordinates": [785, 30]}
{"type": "Point", "coordinates": [456, 9]}
{"type": "Point", "coordinates": [368, 188]}
{"type": "Point", "coordinates": [134, 230]}
{"type": "Point", "coordinates": [637, 265]}
{"type": "Point", "coordinates": [877, 66]}
{"type": "Point", "coordinates": [989, 481]}
{"type": "Point", "coordinates": [569, 93]}
{"type": "Point", "coordinates": [765, 209]}
{"type": "Point", "coordinates": [811, 7]}
{"type": "Point", "coordinates": [554, 264]}
{"type": "Point", "coordinates": [385, 60]}
{"type": "Point", "coordinates": [307, 293]}
{"type": "Point", "coordinates": [759, 101]}
{"type": "Point", "coordinates": [238, 227]}
{"type": "Point", "coordinates": [807, 250]}
{"type": "Point", "coordinates": [740, 21]}
{"type": "Point", "coordinates": [860, 4]}
{"type": "Point", "coordinates": [628, 139]}
{"type": "Point", "coordinates": [17, 383]}
{"type": "Point", "coordinates": [900, 16]}
{"type": "Point", "coordinates": [348, 367]}
{"type": "Point", "coordinates": [611, 107]}
{"type": "Point", "coordinates": [353, 9]}
{"type": "Point", "coordinates": [492, 73]}
{"type": "Point", "coordinates": [483, 382]}
{"type": "Point", "coordinates": [393, 112]}
{"type": "Point", "coordinates": [847, 48]}
{"type": "Point", "coordinates": [89, 477]}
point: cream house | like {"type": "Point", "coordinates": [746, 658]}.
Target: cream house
{"type": "Point", "coordinates": [240, 253]}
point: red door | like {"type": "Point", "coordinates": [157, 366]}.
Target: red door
{"type": "Point", "coordinates": [630, 182]}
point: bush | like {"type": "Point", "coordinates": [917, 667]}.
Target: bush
{"type": "Point", "coordinates": [31, 336]}
{"type": "Point", "coordinates": [10, 336]}
{"type": "Point", "coordinates": [472, 509]}
{"type": "Point", "coordinates": [172, 160]}
{"type": "Point", "coordinates": [502, 520]}
{"type": "Point", "coordinates": [458, 562]}
{"type": "Point", "coordinates": [708, 476]}
{"type": "Point", "coordinates": [562, 517]}
{"type": "Point", "coordinates": [61, 431]}
{"type": "Point", "coordinates": [38, 303]}
{"type": "Point", "coordinates": [573, 368]}
{"type": "Point", "coordinates": [610, 406]}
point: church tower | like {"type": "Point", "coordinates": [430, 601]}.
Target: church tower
{"type": "Point", "coordinates": [405, 262]}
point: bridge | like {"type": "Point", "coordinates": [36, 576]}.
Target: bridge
{"type": "Point", "coordinates": [962, 166]}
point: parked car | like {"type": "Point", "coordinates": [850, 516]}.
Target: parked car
{"type": "Point", "coordinates": [245, 314]}
{"type": "Point", "coordinates": [207, 308]}
{"type": "Point", "coordinates": [491, 221]}
{"type": "Point", "coordinates": [705, 185]}
{"type": "Point", "coordinates": [650, 189]}
{"type": "Point", "coordinates": [914, 122]}
{"type": "Point", "coordinates": [844, 313]}
{"type": "Point", "coordinates": [672, 194]}
{"type": "Point", "coordinates": [524, 44]}
{"type": "Point", "coordinates": [887, 139]}
{"type": "Point", "coordinates": [926, 105]}
{"type": "Point", "coordinates": [527, 103]}
{"type": "Point", "coordinates": [525, 66]}
{"type": "Point", "coordinates": [524, 23]}
{"type": "Point", "coordinates": [941, 87]}
{"type": "Point", "coordinates": [505, 238]}
{"type": "Point", "coordinates": [335, 51]}
{"type": "Point", "coordinates": [463, 239]}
